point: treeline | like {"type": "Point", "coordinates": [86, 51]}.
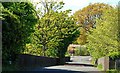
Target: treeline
{"type": "Point", "coordinates": [45, 31]}
{"type": "Point", "coordinates": [100, 30]}
{"type": "Point", "coordinates": [18, 20]}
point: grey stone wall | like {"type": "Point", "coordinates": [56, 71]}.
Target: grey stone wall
{"type": "Point", "coordinates": [108, 63]}
{"type": "Point", "coordinates": [105, 62]}
{"type": "Point", "coordinates": [28, 61]}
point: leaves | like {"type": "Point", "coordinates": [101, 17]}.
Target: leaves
{"type": "Point", "coordinates": [86, 18]}
{"type": "Point", "coordinates": [55, 30]}
{"type": "Point", "coordinates": [103, 41]}
{"type": "Point", "coordinates": [19, 19]}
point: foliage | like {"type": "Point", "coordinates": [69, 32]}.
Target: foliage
{"type": "Point", "coordinates": [81, 51]}
{"type": "Point", "coordinates": [82, 37]}
{"type": "Point", "coordinates": [67, 54]}
{"type": "Point", "coordinates": [113, 71]}
{"type": "Point", "coordinates": [104, 40]}
{"type": "Point", "coordinates": [18, 21]}
{"type": "Point", "coordinates": [33, 50]}
{"type": "Point", "coordinates": [11, 67]}
{"type": "Point", "coordinates": [51, 52]}
{"type": "Point", "coordinates": [55, 30]}
{"type": "Point", "coordinates": [86, 18]}
{"type": "Point", "coordinates": [100, 67]}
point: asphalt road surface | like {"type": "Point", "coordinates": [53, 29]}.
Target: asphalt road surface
{"type": "Point", "coordinates": [79, 64]}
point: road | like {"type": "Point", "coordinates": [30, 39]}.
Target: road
{"type": "Point", "coordinates": [80, 64]}
{"type": "Point", "coordinates": [80, 60]}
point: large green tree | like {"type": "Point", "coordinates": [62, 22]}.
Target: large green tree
{"type": "Point", "coordinates": [55, 30]}
{"type": "Point", "coordinates": [17, 25]}
{"type": "Point", "coordinates": [86, 18]}
{"type": "Point", "coordinates": [104, 40]}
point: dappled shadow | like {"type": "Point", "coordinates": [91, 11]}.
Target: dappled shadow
{"type": "Point", "coordinates": [45, 70]}
{"type": "Point", "coordinates": [80, 61]}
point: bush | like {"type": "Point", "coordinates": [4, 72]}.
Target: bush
{"type": "Point", "coordinates": [8, 67]}
{"type": "Point", "coordinates": [100, 67]}
{"type": "Point", "coordinates": [81, 51]}
{"type": "Point", "coordinates": [33, 50]}
{"type": "Point", "coordinates": [51, 52]}
{"type": "Point", "coordinates": [67, 54]}
{"type": "Point", "coordinates": [114, 55]}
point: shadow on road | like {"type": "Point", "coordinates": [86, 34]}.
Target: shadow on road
{"type": "Point", "coordinates": [77, 64]}
{"type": "Point", "coordinates": [44, 70]}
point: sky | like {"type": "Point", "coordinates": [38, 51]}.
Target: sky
{"type": "Point", "coordinates": [75, 5]}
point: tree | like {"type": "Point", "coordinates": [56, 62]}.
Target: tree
{"type": "Point", "coordinates": [18, 21]}
{"type": "Point", "coordinates": [68, 31]}
{"type": "Point", "coordinates": [86, 18]}
{"type": "Point", "coordinates": [54, 29]}
{"type": "Point", "coordinates": [104, 40]}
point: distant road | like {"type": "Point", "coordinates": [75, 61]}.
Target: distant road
{"type": "Point", "coordinates": [80, 59]}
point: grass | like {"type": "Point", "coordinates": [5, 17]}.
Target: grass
{"type": "Point", "coordinates": [113, 71]}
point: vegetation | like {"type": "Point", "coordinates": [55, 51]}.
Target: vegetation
{"type": "Point", "coordinates": [9, 67]}
{"type": "Point", "coordinates": [81, 51]}
{"type": "Point", "coordinates": [104, 40]}
{"type": "Point", "coordinates": [54, 30]}
{"type": "Point", "coordinates": [86, 18]}
{"type": "Point", "coordinates": [18, 19]}
{"type": "Point", "coordinates": [25, 30]}
{"type": "Point", "coordinates": [113, 71]}
{"type": "Point", "coordinates": [33, 50]}
{"type": "Point", "coordinates": [100, 67]}
{"type": "Point", "coordinates": [47, 31]}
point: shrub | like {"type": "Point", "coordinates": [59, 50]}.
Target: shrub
{"type": "Point", "coordinates": [82, 51]}
{"type": "Point", "coordinates": [67, 54]}
{"type": "Point", "coordinates": [100, 67]}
